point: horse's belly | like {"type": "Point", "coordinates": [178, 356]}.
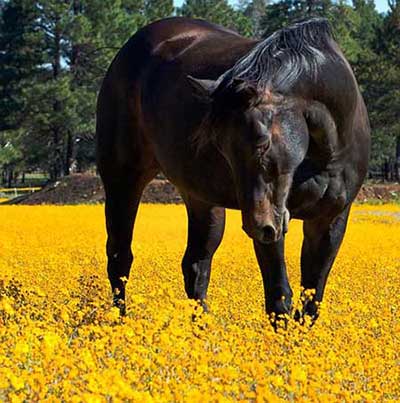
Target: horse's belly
{"type": "Point", "coordinates": [210, 191]}
{"type": "Point", "coordinates": [204, 177]}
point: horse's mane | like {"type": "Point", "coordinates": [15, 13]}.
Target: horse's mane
{"type": "Point", "coordinates": [279, 60]}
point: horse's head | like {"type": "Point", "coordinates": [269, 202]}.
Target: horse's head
{"type": "Point", "coordinates": [261, 130]}
{"type": "Point", "coordinates": [264, 138]}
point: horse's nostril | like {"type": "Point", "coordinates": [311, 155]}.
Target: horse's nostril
{"type": "Point", "coordinates": [269, 232]}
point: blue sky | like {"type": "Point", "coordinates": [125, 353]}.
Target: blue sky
{"type": "Point", "coordinates": [381, 5]}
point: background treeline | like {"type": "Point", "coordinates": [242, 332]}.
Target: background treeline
{"type": "Point", "coordinates": [54, 53]}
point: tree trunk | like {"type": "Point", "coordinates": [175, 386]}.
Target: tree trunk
{"type": "Point", "coordinates": [56, 163]}
{"type": "Point", "coordinates": [309, 7]}
{"type": "Point", "coordinates": [76, 48]}
{"type": "Point", "coordinates": [57, 49]}
{"type": "Point", "coordinates": [386, 171]}
{"type": "Point", "coordinates": [69, 154]}
{"type": "Point", "coordinates": [397, 161]}
{"type": "Point", "coordinates": [10, 177]}
{"type": "Point", "coordinates": [74, 65]}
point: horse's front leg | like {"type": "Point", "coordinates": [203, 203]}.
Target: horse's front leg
{"type": "Point", "coordinates": [322, 240]}
{"type": "Point", "coordinates": [278, 294]}
{"type": "Point", "coordinates": [206, 227]}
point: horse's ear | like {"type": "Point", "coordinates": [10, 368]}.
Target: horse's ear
{"type": "Point", "coordinates": [203, 89]}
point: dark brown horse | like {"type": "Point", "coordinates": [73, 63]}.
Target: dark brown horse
{"type": "Point", "coordinates": [276, 128]}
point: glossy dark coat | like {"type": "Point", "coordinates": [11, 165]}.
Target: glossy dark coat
{"type": "Point", "coordinates": [234, 132]}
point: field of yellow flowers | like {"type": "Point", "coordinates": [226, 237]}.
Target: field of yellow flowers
{"type": "Point", "coordinates": [61, 340]}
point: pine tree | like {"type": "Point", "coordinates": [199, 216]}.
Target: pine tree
{"type": "Point", "coordinates": [78, 40]}
{"type": "Point", "coordinates": [286, 12]}
{"type": "Point", "coordinates": [21, 52]}
{"type": "Point", "coordinates": [157, 9]}
{"type": "Point", "coordinates": [218, 12]}
{"type": "Point", "coordinates": [384, 83]}
{"type": "Point", "coordinates": [255, 10]}
{"type": "Point", "coordinates": [342, 17]}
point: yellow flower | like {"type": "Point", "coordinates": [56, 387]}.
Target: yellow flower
{"type": "Point", "coordinates": [6, 306]}
{"type": "Point", "coordinates": [16, 382]}
{"type": "Point", "coordinates": [298, 374]}
{"type": "Point", "coordinates": [21, 348]}
{"type": "Point", "coordinates": [61, 340]}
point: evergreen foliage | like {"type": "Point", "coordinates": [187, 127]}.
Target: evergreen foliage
{"type": "Point", "coordinates": [219, 12]}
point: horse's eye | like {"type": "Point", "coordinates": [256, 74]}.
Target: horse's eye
{"type": "Point", "coordinates": [262, 144]}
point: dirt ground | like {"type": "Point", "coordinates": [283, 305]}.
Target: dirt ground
{"type": "Point", "coordinates": [83, 188]}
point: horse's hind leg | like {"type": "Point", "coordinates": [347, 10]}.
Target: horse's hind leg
{"type": "Point", "coordinates": [322, 240]}
{"type": "Point", "coordinates": [123, 192]}
{"type": "Point", "coordinates": [206, 228]}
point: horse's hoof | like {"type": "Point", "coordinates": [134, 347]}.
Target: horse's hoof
{"type": "Point", "coordinates": [122, 310]}
{"type": "Point", "coordinates": [120, 304]}
{"type": "Point", "coordinates": [279, 313]}
{"type": "Point", "coordinates": [200, 310]}
{"type": "Point", "coordinates": [303, 317]}
{"type": "Point", "coordinates": [279, 322]}
{"type": "Point", "coordinates": [204, 306]}
{"type": "Point", "coordinates": [298, 316]}
{"type": "Point", "coordinates": [282, 306]}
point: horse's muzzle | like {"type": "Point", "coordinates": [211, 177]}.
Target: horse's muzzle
{"type": "Point", "coordinates": [266, 234]}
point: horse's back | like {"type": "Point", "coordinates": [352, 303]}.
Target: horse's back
{"type": "Point", "coordinates": [164, 40]}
